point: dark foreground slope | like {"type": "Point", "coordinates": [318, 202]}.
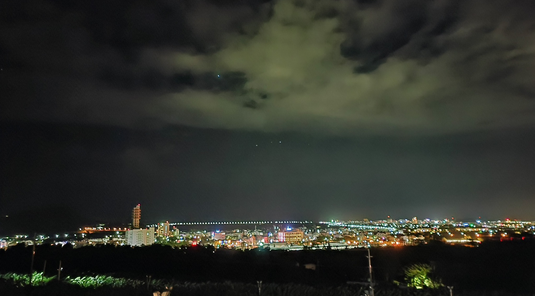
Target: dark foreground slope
{"type": "Point", "coordinates": [491, 267]}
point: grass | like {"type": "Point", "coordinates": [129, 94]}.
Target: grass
{"type": "Point", "coordinates": [100, 285]}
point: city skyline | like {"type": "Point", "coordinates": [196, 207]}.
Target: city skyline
{"type": "Point", "coordinates": [290, 235]}
{"type": "Point", "coordinates": [135, 222]}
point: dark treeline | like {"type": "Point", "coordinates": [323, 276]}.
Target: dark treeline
{"type": "Point", "coordinates": [504, 266]}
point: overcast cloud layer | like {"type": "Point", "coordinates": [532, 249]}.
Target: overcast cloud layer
{"type": "Point", "coordinates": [330, 66]}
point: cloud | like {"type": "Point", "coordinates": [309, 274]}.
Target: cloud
{"type": "Point", "coordinates": [431, 66]}
{"type": "Point", "coordinates": [306, 65]}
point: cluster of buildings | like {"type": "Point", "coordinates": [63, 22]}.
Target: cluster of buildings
{"type": "Point", "coordinates": [136, 236]}
{"type": "Point", "coordinates": [292, 235]}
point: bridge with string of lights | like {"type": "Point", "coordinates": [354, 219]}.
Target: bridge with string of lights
{"type": "Point", "coordinates": [256, 222]}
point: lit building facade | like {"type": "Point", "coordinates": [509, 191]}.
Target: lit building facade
{"type": "Point", "coordinates": [219, 235]}
{"type": "Point", "coordinates": [140, 237]}
{"type": "Point", "coordinates": [136, 216]}
{"type": "Point", "coordinates": [291, 237]}
{"type": "Point", "coordinates": [163, 229]}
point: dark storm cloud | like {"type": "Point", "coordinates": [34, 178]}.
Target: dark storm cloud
{"type": "Point", "coordinates": [54, 54]}
{"type": "Point", "coordinates": [400, 23]}
{"type": "Point", "coordinates": [411, 66]}
{"type": "Point", "coordinates": [328, 66]}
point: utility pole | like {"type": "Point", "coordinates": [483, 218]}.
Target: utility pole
{"type": "Point", "coordinates": [259, 283]}
{"type": "Point", "coordinates": [372, 292]}
{"type": "Point", "coordinates": [31, 266]}
{"type": "Point", "coordinates": [59, 271]}
{"type": "Point", "coordinates": [149, 278]}
{"type": "Point", "coordinates": [451, 290]}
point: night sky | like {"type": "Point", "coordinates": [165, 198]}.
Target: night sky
{"type": "Point", "coordinates": [288, 109]}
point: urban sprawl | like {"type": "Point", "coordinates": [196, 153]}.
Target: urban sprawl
{"type": "Point", "coordinates": [289, 235]}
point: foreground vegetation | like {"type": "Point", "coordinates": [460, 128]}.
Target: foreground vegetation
{"type": "Point", "coordinates": [120, 288]}
{"type": "Point", "coordinates": [425, 270]}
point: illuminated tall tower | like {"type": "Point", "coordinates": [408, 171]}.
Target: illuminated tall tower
{"type": "Point", "coordinates": [136, 216]}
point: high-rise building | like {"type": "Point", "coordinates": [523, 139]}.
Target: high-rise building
{"type": "Point", "coordinates": [140, 237]}
{"type": "Point", "coordinates": [136, 216]}
{"type": "Point", "coordinates": [163, 229]}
